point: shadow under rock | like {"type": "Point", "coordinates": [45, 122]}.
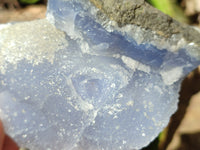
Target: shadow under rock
{"type": "Point", "coordinates": [189, 87]}
{"type": "Point", "coordinates": [190, 141]}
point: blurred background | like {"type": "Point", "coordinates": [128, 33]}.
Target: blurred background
{"type": "Point", "coordinates": [183, 131]}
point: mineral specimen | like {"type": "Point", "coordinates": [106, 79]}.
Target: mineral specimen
{"type": "Point", "coordinates": [75, 82]}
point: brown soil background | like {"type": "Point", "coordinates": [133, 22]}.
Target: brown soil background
{"type": "Point", "coordinates": [183, 131]}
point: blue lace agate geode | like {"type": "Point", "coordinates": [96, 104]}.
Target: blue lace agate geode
{"type": "Point", "coordinates": [85, 87]}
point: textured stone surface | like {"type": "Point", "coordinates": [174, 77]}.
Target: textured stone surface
{"type": "Point", "coordinates": [140, 13]}
{"type": "Point", "coordinates": [91, 86]}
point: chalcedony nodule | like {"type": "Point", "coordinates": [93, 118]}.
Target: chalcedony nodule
{"type": "Point", "coordinates": [74, 82]}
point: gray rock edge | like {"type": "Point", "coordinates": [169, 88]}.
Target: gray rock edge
{"type": "Point", "coordinates": [140, 14]}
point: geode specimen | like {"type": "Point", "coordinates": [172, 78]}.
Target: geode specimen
{"type": "Point", "coordinates": [76, 82]}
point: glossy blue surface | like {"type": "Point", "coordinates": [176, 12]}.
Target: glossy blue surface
{"type": "Point", "coordinates": [97, 89]}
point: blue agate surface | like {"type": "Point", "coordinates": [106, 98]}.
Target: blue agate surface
{"type": "Point", "coordinates": [82, 87]}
